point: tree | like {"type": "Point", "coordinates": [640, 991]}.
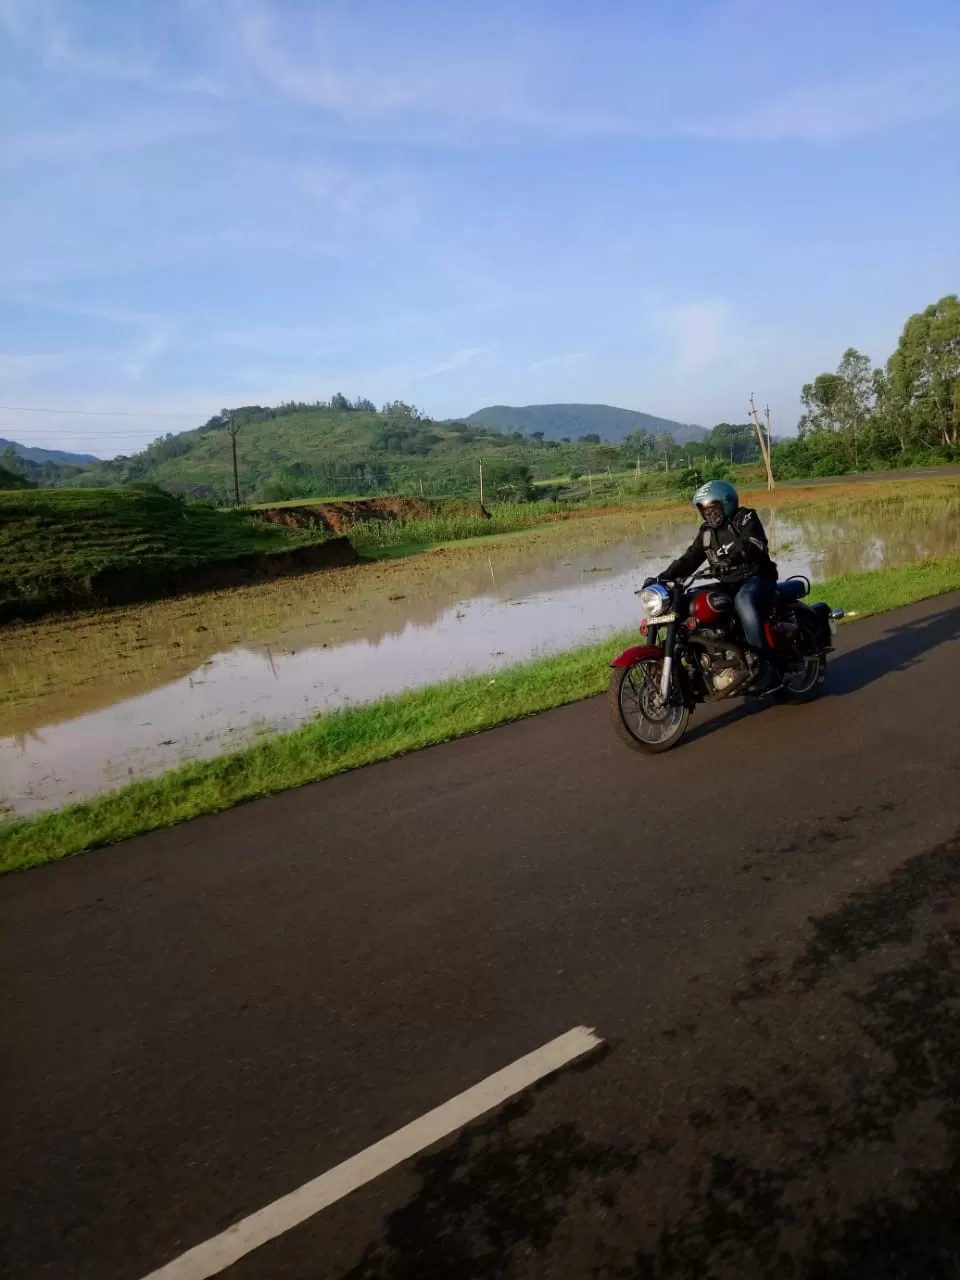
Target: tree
{"type": "Point", "coordinates": [837, 407]}
{"type": "Point", "coordinates": [666, 445]}
{"type": "Point", "coordinates": [923, 376]}
{"type": "Point", "coordinates": [10, 479]}
{"type": "Point", "coordinates": [508, 481]}
{"type": "Point", "coordinates": [398, 409]}
{"type": "Point", "coordinates": [736, 442]}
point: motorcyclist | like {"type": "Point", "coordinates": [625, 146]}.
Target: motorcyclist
{"type": "Point", "coordinates": [732, 540]}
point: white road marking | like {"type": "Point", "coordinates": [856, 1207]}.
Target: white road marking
{"type": "Point", "coordinates": [222, 1251]}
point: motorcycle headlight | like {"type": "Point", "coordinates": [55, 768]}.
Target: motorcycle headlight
{"type": "Point", "coordinates": [655, 600]}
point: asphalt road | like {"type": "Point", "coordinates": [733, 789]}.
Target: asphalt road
{"type": "Point", "coordinates": [763, 926]}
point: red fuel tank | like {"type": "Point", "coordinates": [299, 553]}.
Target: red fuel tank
{"type": "Point", "coordinates": [711, 604]}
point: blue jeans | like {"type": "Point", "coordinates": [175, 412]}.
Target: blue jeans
{"type": "Point", "coordinates": [752, 602]}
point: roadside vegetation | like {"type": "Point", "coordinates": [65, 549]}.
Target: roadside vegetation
{"type": "Point", "coordinates": [371, 536]}
{"type": "Point", "coordinates": [63, 548]}
{"type": "Point", "coordinates": [620, 492]}
{"type": "Point", "coordinates": [68, 549]}
{"type": "Point", "coordinates": [356, 736]}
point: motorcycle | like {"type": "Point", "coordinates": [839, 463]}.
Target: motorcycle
{"type": "Point", "coordinates": [694, 652]}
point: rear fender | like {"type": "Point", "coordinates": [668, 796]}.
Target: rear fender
{"type": "Point", "coordinates": [638, 653]}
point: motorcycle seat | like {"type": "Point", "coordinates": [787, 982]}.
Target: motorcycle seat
{"type": "Point", "coordinates": [791, 590]}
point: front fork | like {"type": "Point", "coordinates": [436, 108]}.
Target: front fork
{"type": "Point", "coordinates": [666, 672]}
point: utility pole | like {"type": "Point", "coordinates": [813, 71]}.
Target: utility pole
{"type": "Point", "coordinates": [232, 429]}
{"type": "Point", "coordinates": [481, 482]}
{"type": "Point", "coordinates": [764, 441]}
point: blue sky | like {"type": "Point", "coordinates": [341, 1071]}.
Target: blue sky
{"type": "Point", "coordinates": [664, 206]}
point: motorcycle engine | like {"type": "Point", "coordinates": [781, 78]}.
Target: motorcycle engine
{"type": "Point", "coordinates": [723, 668]}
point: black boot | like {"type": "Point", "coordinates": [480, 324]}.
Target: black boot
{"type": "Point", "coordinates": [766, 679]}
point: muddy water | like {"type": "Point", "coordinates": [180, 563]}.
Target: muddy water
{"type": "Point", "coordinates": [90, 704]}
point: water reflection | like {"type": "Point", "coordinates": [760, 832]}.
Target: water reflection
{"type": "Point", "coordinates": [323, 642]}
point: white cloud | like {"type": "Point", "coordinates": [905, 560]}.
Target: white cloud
{"type": "Point", "coordinates": [385, 202]}
{"type": "Point", "coordinates": [566, 358]}
{"type": "Point", "coordinates": [459, 358]}
{"type": "Point", "coordinates": [447, 95]}
{"type": "Point", "coordinates": [85, 143]}
{"type": "Point", "coordinates": [130, 362]}
{"type": "Point", "coordinates": [848, 109]}
{"type": "Point", "coordinates": [40, 25]}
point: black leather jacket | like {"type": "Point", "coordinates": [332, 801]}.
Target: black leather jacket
{"type": "Point", "coordinates": [735, 551]}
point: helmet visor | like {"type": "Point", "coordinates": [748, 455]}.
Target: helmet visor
{"type": "Point", "coordinates": [714, 514]}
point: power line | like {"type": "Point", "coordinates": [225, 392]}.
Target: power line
{"type": "Point", "coordinates": [96, 413]}
{"type": "Point", "coordinates": [76, 435]}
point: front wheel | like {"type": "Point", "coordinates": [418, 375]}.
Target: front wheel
{"type": "Point", "coordinates": [803, 674]}
{"type": "Point", "coordinates": [640, 716]}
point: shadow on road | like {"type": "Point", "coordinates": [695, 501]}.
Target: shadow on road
{"type": "Point", "coordinates": [739, 711]}
{"type": "Point", "coordinates": [896, 650]}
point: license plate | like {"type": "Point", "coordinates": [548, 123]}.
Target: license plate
{"type": "Point", "coordinates": [662, 620]}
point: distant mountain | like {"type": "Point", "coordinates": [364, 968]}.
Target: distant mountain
{"type": "Point", "coordinates": [571, 421]}
{"type": "Point", "coordinates": [303, 450]}
{"type": "Point", "coordinates": [33, 454]}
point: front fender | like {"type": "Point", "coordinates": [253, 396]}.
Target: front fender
{"type": "Point", "coordinates": [638, 653]}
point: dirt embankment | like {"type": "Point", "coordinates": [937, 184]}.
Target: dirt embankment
{"type": "Point", "coordinates": [133, 586]}
{"type": "Point", "coordinates": [339, 517]}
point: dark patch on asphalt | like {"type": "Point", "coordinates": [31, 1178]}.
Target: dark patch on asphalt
{"type": "Point", "coordinates": [882, 914]}
{"type": "Point", "coordinates": [738, 1218]}
{"type": "Point", "coordinates": [793, 1212]}
{"type": "Point", "coordinates": [833, 1167]}
{"type": "Point", "coordinates": [895, 1241]}
{"type": "Point", "coordinates": [913, 1014]}
{"type": "Point", "coordinates": [491, 1195]}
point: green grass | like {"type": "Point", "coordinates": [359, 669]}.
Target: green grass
{"type": "Point", "coordinates": [347, 739]}
{"type": "Point", "coordinates": [312, 502]}
{"type": "Point", "coordinates": [378, 535]}
{"type": "Point", "coordinates": [57, 546]}
{"type": "Point", "coordinates": [861, 594]}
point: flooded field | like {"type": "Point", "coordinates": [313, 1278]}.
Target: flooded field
{"type": "Point", "coordinates": [89, 703]}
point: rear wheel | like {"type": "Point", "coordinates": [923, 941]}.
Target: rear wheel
{"type": "Point", "coordinates": [803, 675]}
{"type": "Point", "coordinates": [640, 716]}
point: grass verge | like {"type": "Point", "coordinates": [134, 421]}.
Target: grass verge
{"type": "Point", "coordinates": [346, 739]}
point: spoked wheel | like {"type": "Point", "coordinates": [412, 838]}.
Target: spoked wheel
{"type": "Point", "coordinates": [803, 676]}
{"type": "Point", "coordinates": [640, 716]}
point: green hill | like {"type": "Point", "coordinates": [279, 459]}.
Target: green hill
{"type": "Point", "coordinates": [573, 421]}
{"type": "Point", "coordinates": [33, 453]}
{"type": "Point", "coordinates": [351, 448]}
